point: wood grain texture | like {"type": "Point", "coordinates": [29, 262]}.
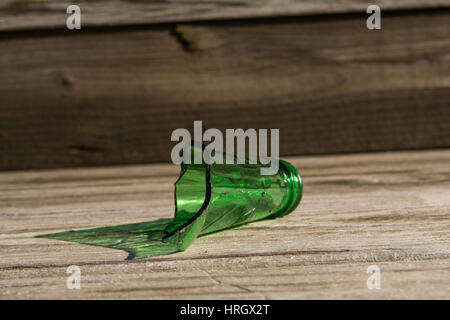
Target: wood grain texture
{"type": "Point", "coordinates": [388, 209]}
{"type": "Point", "coordinates": [44, 14]}
{"type": "Point", "coordinates": [329, 84]}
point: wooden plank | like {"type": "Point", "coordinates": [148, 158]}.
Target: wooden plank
{"type": "Point", "coordinates": [44, 14]}
{"type": "Point", "coordinates": [329, 84]}
{"type": "Point", "coordinates": [386, 209]}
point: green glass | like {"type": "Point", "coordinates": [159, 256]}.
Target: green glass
{"type": "Point", "coordinates": [208, 198]}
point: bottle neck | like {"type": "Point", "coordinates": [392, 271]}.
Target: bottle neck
{"type": "Point", "coordinates": [294, 188]}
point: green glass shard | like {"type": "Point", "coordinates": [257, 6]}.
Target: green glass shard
{"type": "Point", "coordinates": [208, 198]}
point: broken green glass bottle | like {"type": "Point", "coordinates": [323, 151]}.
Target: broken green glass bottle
{"type": "Point", "coordinates": [208, 198]}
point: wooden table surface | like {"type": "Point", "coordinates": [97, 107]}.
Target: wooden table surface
{"type": "Point", "coordinates": [386, 209]}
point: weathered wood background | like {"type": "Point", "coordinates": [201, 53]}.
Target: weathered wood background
{"type": "Point", "coordinates": [103, 96]}
{"type": "Point", "coordinates": [48, 14]}
{"type": "Point", "coordinates": [385, 209]}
